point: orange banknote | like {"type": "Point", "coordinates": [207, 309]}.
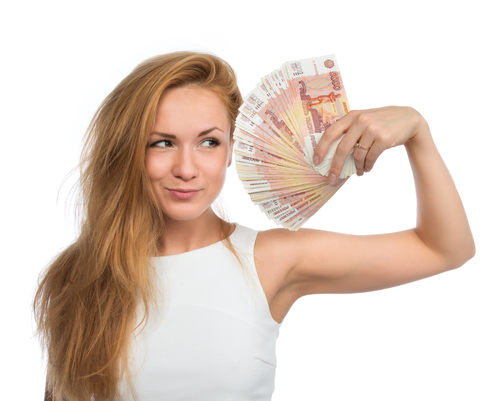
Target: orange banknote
{"type": "Point", "coordinates": [277, 130]}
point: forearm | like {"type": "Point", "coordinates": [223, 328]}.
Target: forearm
{"type": "Point", "coordinates": [441, 220]}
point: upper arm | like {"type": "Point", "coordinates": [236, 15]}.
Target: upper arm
{"type": "Point", "coordinates": [322, 262]}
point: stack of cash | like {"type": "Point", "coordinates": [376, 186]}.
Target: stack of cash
{"type": "Point", "coordinates": [277, 129]}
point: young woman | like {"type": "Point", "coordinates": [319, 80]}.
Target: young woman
{"type": "Point", "coordinates": [160, 299]}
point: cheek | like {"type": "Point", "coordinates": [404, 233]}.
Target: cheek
{"type": "Point", "coordinates": [214, 171]}
{"type": "Point", "coordinates": [155, 167]}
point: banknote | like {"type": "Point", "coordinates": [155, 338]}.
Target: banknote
{"type": "Point", "coordinates": [318, 87]}
{"type": "Point", "coordinates": [280, 123]}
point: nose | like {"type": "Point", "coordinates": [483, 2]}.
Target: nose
{"type": "Point", "coordinates": [185, 166]}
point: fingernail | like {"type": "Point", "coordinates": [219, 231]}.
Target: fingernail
{"type": "Point", "coordinates": [332, 178]}
{"type": "Point", "coordinates": [316, 159]}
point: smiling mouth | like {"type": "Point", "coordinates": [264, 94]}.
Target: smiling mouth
{"type": "Point", "coordinates": [183, 193]}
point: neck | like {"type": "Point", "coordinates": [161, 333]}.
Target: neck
{"type": "Point", "coordinates": [181, 236]}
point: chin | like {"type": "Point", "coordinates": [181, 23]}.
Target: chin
{"type": "Point", "coordinates": [184, 213]}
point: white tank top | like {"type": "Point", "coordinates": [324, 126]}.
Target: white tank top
{"type": "Point", "coordinates": [215, 338]}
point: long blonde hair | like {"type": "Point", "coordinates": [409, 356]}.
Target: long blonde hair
{"type": "Point", "coordinates": [86, 304]}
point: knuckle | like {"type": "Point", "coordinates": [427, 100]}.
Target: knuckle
{"type": "Point", "coordinates": [358, 156]}
{"type": "Point", "coordinates": [374, 130]}
{"type": "Point", "coordinates": [369, 164]}
{"type": "Point", "coordinates": [383, 137]}
{"type": "Point", "coordinates": [335, 170]}
{"type": "Point", "coordinates": [370, 159]}
{"type": "Point", "coordinates": [342, 149]}
{"type": "Point", "coordinates": [364, 119]}
{"type": "Point", "coordinates": [320, 147]}
{"type": "Point", "coordinates": [328, 132]}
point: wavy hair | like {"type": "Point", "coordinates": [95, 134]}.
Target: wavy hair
{"type": "Point", "coordinates": [86, 304]}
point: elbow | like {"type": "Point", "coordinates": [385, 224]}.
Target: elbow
{"type": "Point", "coordinates": [472, 250]}
{"type": "Point", "coordinates": [469, 250]}
{"type": "Point", "coordinates": [462, 254]}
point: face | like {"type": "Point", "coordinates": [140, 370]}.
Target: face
{"type": "Point", "coordinates": [188, 152]}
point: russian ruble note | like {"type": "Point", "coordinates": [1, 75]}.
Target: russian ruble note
{"type": "Point", "coordinates": [279, 126]}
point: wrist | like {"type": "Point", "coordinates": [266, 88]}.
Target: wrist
{"type": "Point", "coordinates": [421, 133]}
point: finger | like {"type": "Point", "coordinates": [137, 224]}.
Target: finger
{"type": "Point", "coordinates": [360, 152]}
{"type": "Point", "coordinates": [332, 133]}
{"type": "Point", "coordinates": [373, 154]}
{"type": "Point", "coordinates": [343, 150]}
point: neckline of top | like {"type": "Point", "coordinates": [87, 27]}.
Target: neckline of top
{"type": "Point", "coordinates": [236, 228]}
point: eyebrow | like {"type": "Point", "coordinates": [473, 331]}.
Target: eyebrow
{"type": "Point", "coordinates": [170, 136]}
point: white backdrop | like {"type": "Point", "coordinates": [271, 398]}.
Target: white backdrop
{"type": "Point", "coordinates": [436, 339]}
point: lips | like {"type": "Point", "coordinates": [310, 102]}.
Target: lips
{"type": "Point", "coordinates": [183, 193]}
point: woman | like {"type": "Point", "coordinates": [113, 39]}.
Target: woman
{"type": "Point", "coordinates": [161, 299]}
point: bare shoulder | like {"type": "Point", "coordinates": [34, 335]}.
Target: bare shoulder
{"type": "Point", "coordinates": [272, 243]}
{"type": "Point", "coordinates": [272, 259]}
{"type": "Point", "coordinates": [279, 251]}
{"type": "Point", "coordinates": [279, 247]}
{"type": "Point", "coordinates": [285, 247]}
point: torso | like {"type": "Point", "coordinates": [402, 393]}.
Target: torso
{"type": "Point", "coordinates": [270, 268]}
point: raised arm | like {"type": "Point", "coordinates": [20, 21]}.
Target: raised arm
{"type": "Point", "coordinates": [441, 220]}
{"type": "Point", "coordinates": [312, 261]}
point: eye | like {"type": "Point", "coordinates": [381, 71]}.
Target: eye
{"type": "Point", "coordinates": [210, 143]}
{"type": "Point", "coordinates": [161, 144]}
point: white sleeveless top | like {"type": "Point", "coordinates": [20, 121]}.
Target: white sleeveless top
{"type": "Point", "coordinates": [216, 338]}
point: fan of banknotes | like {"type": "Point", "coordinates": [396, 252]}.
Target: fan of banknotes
{"type": "Point", "coordinates": [277, 130]}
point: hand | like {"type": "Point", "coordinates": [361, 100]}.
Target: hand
{"type": "Point", "coordinates": [371, 131]}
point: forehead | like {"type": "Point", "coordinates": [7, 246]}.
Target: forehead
{"type": "Point", "coordinates": [190, 110]}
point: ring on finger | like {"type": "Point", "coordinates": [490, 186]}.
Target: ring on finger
{"type": "Point", "coordinates": [362, 147]}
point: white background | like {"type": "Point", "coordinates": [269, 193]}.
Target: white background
{"type": "Point", "coordinates": [436, 339]}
